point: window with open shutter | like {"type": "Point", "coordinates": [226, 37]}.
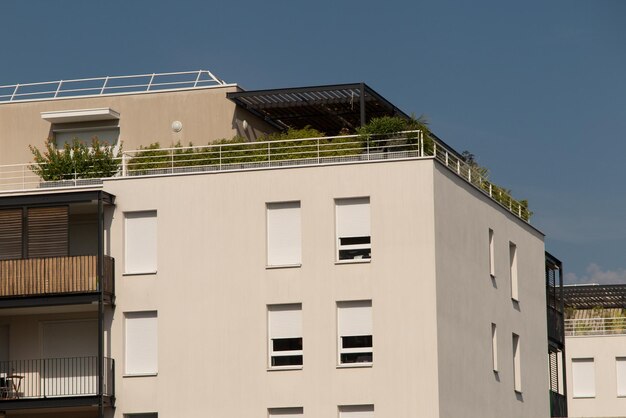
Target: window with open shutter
{"type": "Point", "coordinates": [355, 331]}
{"type": "Point", "coordinates": [356, 411]}
{"type": "Point", "coordinates": [285, 335]}
{"type": "Point", "coordinates": [286, 412]}
{"type": "Point", "coordinates": [353, 229]}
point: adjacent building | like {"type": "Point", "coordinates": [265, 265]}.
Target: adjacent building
{"type": "Point", "coordinates": [596, 350]}
{"type": "Point", "coordinates": [323, 277]}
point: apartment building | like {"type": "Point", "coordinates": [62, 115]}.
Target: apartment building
{"type": "Point", "coordinates": [323, 277]}
{"type": "Point", "coordinates": [595, 329]}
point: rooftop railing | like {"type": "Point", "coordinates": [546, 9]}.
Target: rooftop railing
{"type": "Point", "coordinates": [238, 156]}
{"type": "Point", "coordinates": [108, 85]}
{"type": "Point", "coordinates": [595, 326]}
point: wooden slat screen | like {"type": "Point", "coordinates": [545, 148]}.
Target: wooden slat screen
{"type": "Point", "coordinates": [48, 232]}
{"type": "Point", "coordinates": [10, 234]}
{"type": "Point", "coordinates": [37, 276]}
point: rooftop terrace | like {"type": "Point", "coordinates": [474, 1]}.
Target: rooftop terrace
{"type": "Point", "coordinates": [262, 155]}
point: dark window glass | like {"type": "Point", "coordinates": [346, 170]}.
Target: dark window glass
{"type": "Point", "coordinates": [286, 361]}
{"type": "Point", "coordinates": [356, 357]}
{"type": "Point", "coordinates": [355, 254]}
{"type": "Point", "coordinates": [287, 344]}
{"type": "Point", "coordinates": [354, 240]}
{"type": "Point", "coordinates": [356, 341]}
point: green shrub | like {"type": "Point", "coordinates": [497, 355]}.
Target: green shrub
{"type": "Point", "coordinates": [75, 160]}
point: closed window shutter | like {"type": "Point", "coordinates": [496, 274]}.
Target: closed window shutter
{"type": "Point", "coordinates": [621, 375]}
{"type": "Point", "coordinates": [141, 242]}
{"type": "Point", "coordinates": [141, 343]}
{"type": "Point", "coordinates": [584, 378]}
{"type": "Point", "coordinates": [285, 321]}
{"type": "Point", "coordinates": [353, 217]}
{"type": "Point", "coordinates": [355, 318]}
{"type": "Point", "coordinates": [48, 232]}
{"type": "Point", "coordinates": [357, 411]}
{"type": "Point", "coordinates": [283, 234]}
{"type": "Point", "coordinates": [10, 234]}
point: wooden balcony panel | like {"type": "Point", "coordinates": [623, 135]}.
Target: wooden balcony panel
{"type": "Point", "coordinates": [52, 275]}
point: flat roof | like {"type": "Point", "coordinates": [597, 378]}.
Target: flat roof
{"type": "Point", "coordinates": [328, 108]}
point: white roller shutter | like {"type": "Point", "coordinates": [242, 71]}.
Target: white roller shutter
{"type": "Point", "coordinates": [353, 217]}
{"type": "Point", "coordinates": [284, 236]}
{"type": "Point", "coordinates": [141, 242]}
{"type": "Point", "coordinates": [141, 343]}
{"type": "Point", "coordinates": [584, 378]}
{"type": "Point", "coordinates": [355, 318]}
{"type": "Point", "coordinates": [285, 321]}
{"type": "Point", "coordinates": [620, 363]}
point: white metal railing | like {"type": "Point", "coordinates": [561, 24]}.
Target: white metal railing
{"type": "Point", "coordinates": [108, 85]}
{"type": "Point", "coordinates": [595, 326]}
{"type": "Point", "coordinates": [275, 154]}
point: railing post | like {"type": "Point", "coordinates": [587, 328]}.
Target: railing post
{"type": "Point", "coordinates": [197, 78]}
{"type": "Point", "coordinates": [17, 86]}
{"type": "Point", "coordinates": [124, 165]}
{"type": "Point", "coordinates": [269, 153]}
{"type": "Point", "coordinates": [104, 86]}
{"type": "Point", "coordinates": [172, 160]}
{"type": "Point", "coordinates": [220, 158]}
{"type": "Point", "coordinates": [318, 150]}
{"type": "Point", "coordinates": [56, 93]}
{"type": "Point", "coordinates": [150, 82]}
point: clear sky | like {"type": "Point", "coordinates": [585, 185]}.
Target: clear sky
{"type": "Point", "coordinates": [535, 89]}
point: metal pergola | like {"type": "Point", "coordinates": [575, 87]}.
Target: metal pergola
{"type": "Point", "coordinates": [595, 296]}
{"type": "Point", "coordinates": [328, 109]}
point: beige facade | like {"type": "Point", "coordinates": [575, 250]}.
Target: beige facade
{"type": "Point", "coordinates": [204, 292]}
{"type": "Point", "coordinates": [600, 395]}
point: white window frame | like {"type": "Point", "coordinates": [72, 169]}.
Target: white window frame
{"type": "Point", "coordinates": [129, 268]}
{"type": "Point", "coordinates": [140, 315]}
{"type": "Point", "coordinates": [517, 363]}
{"type": "Point", "coordinates": [513, 271]}
{"type": "Point", "coordinates": [358, 304]}
{"type": "Point", "coordinates": [364, 201]}
{"type": "Point", "coordinates": [284, 242]}
{"type": "Point", "coordinates": [296, 309]}
{"type": "Point", "coordinates": [588, 367]}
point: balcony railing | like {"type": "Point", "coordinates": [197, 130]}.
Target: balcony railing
{"type": "Point", "coordinates": [241, 156]}
{"type": "Point", "coordinates": [54, 275]}
{"type": "Point", "coordinates": [558, 405]}
{"type": "Point", "coordinates": [54, 378]}
{"type": "Point", "coordinates": [595, 326]}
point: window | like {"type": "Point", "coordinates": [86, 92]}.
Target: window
{"type": "Point", "coordinates": [141, 343]}
{"type": "Point", "coordinates": [494, 347]}
{"type": "Point", "coordinates": [141, 242]}
{"type": "Point", "coordinates": [620, 363]}
{"type": "Point", "coordinates": [356, 411]}
{"type": "Point", "coordinates": [353, 229]}
{"type": "Point", "coordinates": [142, 415]}
{"type": "Point", "coordinates": [517, 367]}
{"type": "Point", "coordinates": [107, 132]}
{"type": "Point", "coordinates": [355, 331]}
{"type": "Point", "coordinates": [285, 412]}
{"type": "Point", "coordinates": [285, 335]}
{"type": "Point", "coordinates": [513, 264]}
{"type": "Point", "coordinates": [283, 234]}
{"type": "Point", "coordinates": [492, 263]}
{"type": "Point", "coordinates": [583, 378]}
{"type": "Point", "coordinates": [84, 124]}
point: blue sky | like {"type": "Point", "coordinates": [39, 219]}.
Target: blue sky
{"type": "Point", "coordinates": [535, 89]}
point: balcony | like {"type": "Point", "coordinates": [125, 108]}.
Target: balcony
{"type": "Point", "coordinates": [558, 404]}
{"type": "Point", "coordinates": [55, 276]}
{"type": "Point", "coordinates": [55, 383]}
